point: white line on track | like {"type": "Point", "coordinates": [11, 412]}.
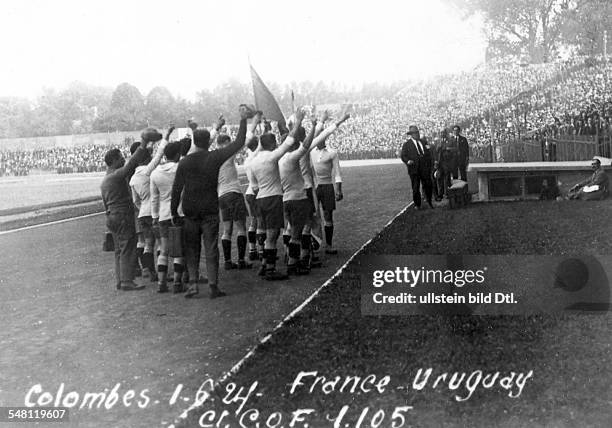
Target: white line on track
{"type": "Point", "coordinates": [293, 313]}
{"type": "Point", "coordinates": [68, 179]}
{"type": "Point", "coordinates": [35, 226]}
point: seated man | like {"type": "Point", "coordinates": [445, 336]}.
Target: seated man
{"type": "Point", "coordinates": [593, 188]}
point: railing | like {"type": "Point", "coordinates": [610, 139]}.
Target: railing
{"type": "Point", "coordinates": [544, 149]}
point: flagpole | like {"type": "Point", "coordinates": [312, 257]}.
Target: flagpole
{"type": "Point", "coordinates": [292, 102]}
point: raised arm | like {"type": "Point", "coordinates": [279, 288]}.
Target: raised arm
{"type": "Point", "coordinates": [310, 137]}
{"type": "Point", "coordinates": [321, 124]}
{"type": "Point", "coordinates": [250, 133]}
{"type": "Point", "coordinates": [329, 130]}
{"type": "Point", "coordinates": [231, 149]}
{"type": "Point", "coordinates": [284, 148]}
{"type": "Point", "coordinates": [159, 153]}
{"type": "Point", "coordinates": [282, 129]}
{"type": "Point", "coordinates": [214, 132]}
{"type": "Point", "coordinates": [139, 155]}
{"type": "Point", "coordinates": [177, 190]}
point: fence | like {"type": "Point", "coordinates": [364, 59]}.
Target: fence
{"type": "Point", "coordinates": [545, 149]}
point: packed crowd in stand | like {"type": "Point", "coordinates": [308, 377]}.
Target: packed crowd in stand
{"type": "Point", "coordinates": [496, 104]}
{"type": "Point", "coordinates": [60, 160]}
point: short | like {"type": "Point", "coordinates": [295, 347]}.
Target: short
{"type": "Point", "coordinates": [163, 228]}
{"type": "Point", "coordinates": [232, 207]}
{"type": "Point", "coordinates": [311, 201]}
{"type": "Point", "coordinates": [271, 208]}
{"type": "Point", "coordinates": [297, 213]}
{"type": "Point", "coordinates": [145, 225]}
{"type": "Point", "coordinates": [326, 196]}
{"type": "Point", "coordinates": [252, 206]}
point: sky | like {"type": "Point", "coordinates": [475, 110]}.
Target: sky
{"type": "Point", "coordinates": [189, 45]}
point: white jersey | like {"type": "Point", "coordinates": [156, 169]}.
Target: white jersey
{"type": "Point", "coordinates": [162, 179]}
{"type": "Point", "coordinates": [228, 178]}
{"type": "Point", "coordinates": [266, 175]}
{"type": "Point", "coordinates": [292, 180]}
{"type": "Point", "coordinates": [264, 168]}
{"type": "Point", "coordinates": [139, 183]}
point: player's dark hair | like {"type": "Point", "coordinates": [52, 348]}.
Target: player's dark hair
{"type": "Point", "coordinates": [201, 138]}
{"type": "Point", "coordinates": [268, 141]}
{"type": "Point", "coordinates": [185, 145]}
{"type": "Point", "coordinates": [253, 143]}
{"type": "Point", "coordinates": [172, 150]}
{"type": "Point", "coordinates": [111, 156]}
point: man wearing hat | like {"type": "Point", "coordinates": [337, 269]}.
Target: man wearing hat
{"type": "Point", "coordinates": [417, 157]}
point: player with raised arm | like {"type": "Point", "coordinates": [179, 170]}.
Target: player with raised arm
{"type": "Point", "coordinates": [311, 236]}
{"type": "Point", "coordinates": [326, 167]}
{"type": "Point", "coordinates": [256, 234]}
{"type": "Point", "coordinates": [117, 200]}
{"type": "Point", "coordinates": [298, 211]}
{"type": "Point", "coordinates": [295, 200]}
{"type": "Point", "coordinates": [266, 177]}
{"type": "Point", "coordinates": [232, 205]}
{"type": "Point", "coordinates": [139, 184]}
{"type": "Point", "coordinates": [195, 185]}
{"type": "Point", "coordinates": [162, 179]}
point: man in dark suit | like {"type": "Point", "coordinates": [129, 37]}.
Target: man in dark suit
{"type": "Point", "coordinates": [449, 150]}
{"type": "Point", "coordinates": [417, 157]}
{"type": "Point", "coordinates": [463, 156]}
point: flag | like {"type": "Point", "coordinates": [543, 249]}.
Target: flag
{"type": "Point", "coordinates": [264, 100]}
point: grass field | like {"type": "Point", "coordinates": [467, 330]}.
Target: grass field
{"type": "Point", "coordinates": [43, 189]}
{"type": "Point", "coordinates": [570, 355]}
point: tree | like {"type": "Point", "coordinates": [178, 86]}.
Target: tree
{"type": "Point", "coordinates": [522, 27]}
{"type": "Point", "coordinates": [46, 118]}
{"type": "Point", "coordinates": [585, 25]}
{"type": "Point", "coordinates": [126, 111]}
{"type": "Point", "coordinates": [160, 106]}
{"type": "Point", "coordinates": [78, 105]}
{"type": "Point", "coordinates": [15, 115]}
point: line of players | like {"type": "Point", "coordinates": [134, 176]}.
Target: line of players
{"type": "Point", "coordinates": [195, 184]}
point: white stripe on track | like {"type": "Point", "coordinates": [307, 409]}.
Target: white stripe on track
{"type": "Point", "coordinates": [5, 232]}
{"type": "Point", "coordinates": [293, 313]}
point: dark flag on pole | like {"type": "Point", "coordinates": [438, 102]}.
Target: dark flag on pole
{"type": "Point", "coordinates": [264, 100]}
